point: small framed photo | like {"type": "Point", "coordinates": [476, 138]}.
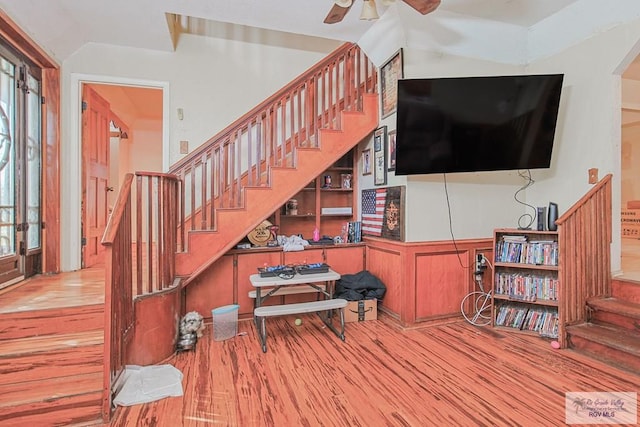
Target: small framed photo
{"type": "Point", "coordinates": [345, 179]}
{"type": "Point", "coordinates": [390, 72]}
{"type": "Point", "coordinates": [391, 150]}
{"type": "Point", "coordinates": [379, 156]}
{"type": "Point", "coordinates": [366, 162]}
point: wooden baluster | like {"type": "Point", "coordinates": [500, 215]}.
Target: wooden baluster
{"type": "Point", "coordinates": [259, 150]}
{"type": "Point", "coordinates": [238, 169]}
{"type": "Point", "coordinates": [250, 147]}
{"type": "Point", "coordinates": [299, 117]}
{"type": "Point", "coordinates": [192, 194]}
{"type": "Point", "coordinates": [139, 277]}
{"type": "Point", "coordinates": [203, 192]}
{"type": "Point", "coordinates": [150, 223]}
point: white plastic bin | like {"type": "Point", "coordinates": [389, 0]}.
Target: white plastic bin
{"type": "Point", "coordinates": [225, 322]}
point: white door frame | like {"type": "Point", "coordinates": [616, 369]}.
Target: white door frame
{"type": "Point", "coordinates": [71, 160]}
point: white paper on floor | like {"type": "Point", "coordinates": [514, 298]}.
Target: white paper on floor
{"type": "Point", "coordinates": [144, 384]}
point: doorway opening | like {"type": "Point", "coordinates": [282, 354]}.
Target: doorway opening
{"type": "Point", "coordinates": [138, 110]}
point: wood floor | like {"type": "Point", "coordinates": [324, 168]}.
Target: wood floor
{"type": "Point", "coordinates": [451, 374]}
{"type": "Point", "coordinates": [73, 289]}
{"type": "Point", "coordinates": [448, 374]}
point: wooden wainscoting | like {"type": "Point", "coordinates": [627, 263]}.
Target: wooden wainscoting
{"type": "Point", "coordinates": [426, 281]}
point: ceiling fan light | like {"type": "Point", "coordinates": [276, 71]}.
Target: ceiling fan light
{"type": "Point", "coordinates": [369, 11]}
{"type": "Point", "coordinates": [343, 3]}
{"type": "Point", "coordinates": [388, 2]}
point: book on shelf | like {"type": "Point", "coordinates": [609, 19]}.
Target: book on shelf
{"type": "Point", "coordinates": [352, 232]}
{"type": "Point", "coordinates": [541, 320]}
{"type": "Point", "coordinates": [526, 287]}
{"type": "Point", "coordinates": [514, 238]}
{"type": "Point", "coordinates": [534, 252]}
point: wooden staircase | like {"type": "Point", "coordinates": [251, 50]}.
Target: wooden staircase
{"type": "Point", "coordinates": [612, 332]}
{"type": "Point", "coordinates": [233, 224]}
{"type": "Point", "coordinates": [51, 366]}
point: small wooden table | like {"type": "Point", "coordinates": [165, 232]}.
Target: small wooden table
{"type": "Point", "coordinates": [328, 305]}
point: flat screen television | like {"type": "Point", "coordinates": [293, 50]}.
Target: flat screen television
{"type": "Point", "coordinates": [472, 124]}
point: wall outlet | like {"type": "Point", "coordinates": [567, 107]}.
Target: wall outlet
{"type": "Point", "coordinates": [481, 264]}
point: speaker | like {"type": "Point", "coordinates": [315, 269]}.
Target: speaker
{"type": "Point", "coordinates": [542, 218]}
{"type": "Point", "coordinates": [553, 215]}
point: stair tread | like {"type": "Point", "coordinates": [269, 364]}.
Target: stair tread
{"type": "Point", "coordinates": [617, 338]}
{"type": "Point", "coordinates": [50, 389]}
{"type": "Point", "coordinates": [45, 343]}
{"type": "Point", "coordinates": [616, 305]}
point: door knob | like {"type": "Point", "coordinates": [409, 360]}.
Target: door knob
{"type": "Point", "coordinates": [109, 188]}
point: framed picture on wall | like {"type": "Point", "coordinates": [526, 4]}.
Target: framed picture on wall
{"type": "Point", "coordinates": [379, 156]}
{"type": "Point", "coordinates": [383, 212]}
{"type": "Point", "coordinates": [366, 162]}
{"type": "Point", "coordinates": [391, 150]}
{"type": "Point", "coordinates": [390, 73]}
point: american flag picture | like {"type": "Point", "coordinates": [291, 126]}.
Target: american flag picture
{"type": "Point", "coordinates": [373, 211]}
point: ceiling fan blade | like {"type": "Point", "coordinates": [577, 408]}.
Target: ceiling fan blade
{"type": "Point", "coordinates": [336, 14]}
{"type": "Point", "coordinates": [423, 6]}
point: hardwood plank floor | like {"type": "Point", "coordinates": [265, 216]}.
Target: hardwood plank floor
{"type": "Point", "coordinates": [445, 375]}
{"type": "Point", "coordinates": [72, 289]}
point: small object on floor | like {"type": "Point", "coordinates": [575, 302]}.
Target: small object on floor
{"type": "Point", "coordinates": [191, 327]}
{"type": "Point", "coordinates": [298, 322]}
{"type": "Point", "coordinates": [187, 342]}
{"type": "Point", "coordinates": [241, 334]}
{"type": "Point", "coordinates": [143, 384]}
{"type": "Point", "coordinates": [555, 344]}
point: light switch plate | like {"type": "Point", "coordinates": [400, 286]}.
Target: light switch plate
{"type": "Point", "coordinates": [184, 147]}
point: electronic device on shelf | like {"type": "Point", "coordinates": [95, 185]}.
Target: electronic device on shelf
{"type": "Point", "coordinates": [318, 267]}
{"type": "Point", "coordinates": [288, 271]}
{"type": "Point", "coordinates": [277, 271]}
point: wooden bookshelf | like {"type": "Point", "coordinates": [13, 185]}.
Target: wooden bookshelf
{"type": "Point", "coordinates": [525, 282]}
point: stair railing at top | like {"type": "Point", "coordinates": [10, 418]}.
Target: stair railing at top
{"type": "Point", "coordinates": [584, 240]}
{"type": "Point", "coordinates": [215, 175]}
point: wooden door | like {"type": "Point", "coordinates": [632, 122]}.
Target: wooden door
{"type": "Point", "coordinates": [95, 156]}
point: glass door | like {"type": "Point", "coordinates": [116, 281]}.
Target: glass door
{"type": "Point", "coordinates": [20, 168]}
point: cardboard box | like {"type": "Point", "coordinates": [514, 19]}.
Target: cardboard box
{"type": "Point", "coordinates": [357, 311]}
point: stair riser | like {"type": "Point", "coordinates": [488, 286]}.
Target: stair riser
{"type": "Point", "coordinates": [604, 353]}
{"type": "Point", "coordinates": [616, 319]}
{"type": "Point", "coordinates": [63, 411]}
{"type": "Point", "coordinates": [629, 291]}
{"type": "Point", "coordinates": [52, 364]}
{"type": "Point", "coordinates": [44, 322]}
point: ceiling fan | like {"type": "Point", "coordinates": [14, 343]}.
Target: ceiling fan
{"type": "Point", "coordinates": [341, 7]}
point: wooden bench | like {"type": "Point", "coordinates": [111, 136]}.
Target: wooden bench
{"type": "Point", "coordinates": [322, 306]}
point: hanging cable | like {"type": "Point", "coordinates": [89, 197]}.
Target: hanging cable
{"type": "Point", "coordinates": [526, 175]}
{"type": "Point", "coordinates": [453, 239]}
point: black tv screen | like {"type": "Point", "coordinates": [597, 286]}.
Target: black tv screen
{"type": "Point", "coordinates": [470, 124]}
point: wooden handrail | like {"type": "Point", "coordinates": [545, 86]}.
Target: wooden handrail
{"type": "Point", "coordinates": [118, 211]}
{"type": "Point", "coordinates": [263, 106]}
{"type": "Point", "coordinates": [215, 175]}
{"type": "Point", "coordinates": [584, 268]}
{"type": "Point", "coordinates": [584, 199]}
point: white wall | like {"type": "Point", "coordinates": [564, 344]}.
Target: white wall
{"type": "Point", "coordinates": [589, 132]}
{"type": "Point", "coordinates": [214, 81]}
{"type": "Point", "coordinates": [588, 136]}
{"type": "Point", "coordinates": [476, 202]}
